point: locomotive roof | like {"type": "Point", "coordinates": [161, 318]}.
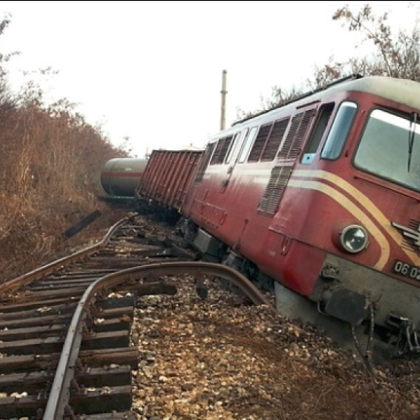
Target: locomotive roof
{"type": "Point", "coordinates": [402, 91]}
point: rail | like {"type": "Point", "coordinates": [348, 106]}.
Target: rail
{"type": "Point", "coordinates": [57, 404]}
{"type": "Point", "coordinates": [62, 262]}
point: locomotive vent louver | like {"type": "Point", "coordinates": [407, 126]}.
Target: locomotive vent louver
{"type": "Point", "coordinates": [296, 135]}
{"type": "Point", "coordinates": [278, 180]}
{"type": "Point", "coordinates": [275, 139]}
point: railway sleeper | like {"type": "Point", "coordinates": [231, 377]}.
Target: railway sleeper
{"type": "Point", "coordinates": [91, 358]}
{"type": "Point", "coordinates": [113, 416]}
{"type": "Point", "coordinates": [37, 308]}
{"type": "Point", "coordinates": [89, 401]}
{"type": "Point", "coordinates": [78, 274]}
{"type": "Point", "coordinates": [150, 250]}
{"type": "Point", "coordinates": [105, 399]}
{"type": "Point", "coordinates": [121, 265]}
{"type": "Point", "coordinates": [69, 284]}
{"type": "Point", "coordinates": [98, 325]}
{"type": "Point", "coordinates": [29, 295]}
{"type": "Point", "coordinates": [35, 382]}
{"type": "Point", "coordinates": [50, 319]}
{"type": "Point", "coordinates": [56, 307]}
{"type": "Point", "coordinates": [55, 344]}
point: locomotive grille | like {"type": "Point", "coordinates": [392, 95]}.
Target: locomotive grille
{"type": "Point", "coordinates": [278, 180]}
{"type": "Point", "coordinates": [293, 143]}
{"type": "Point", "coordinates": [273, 142]}
{"type": "Point", "coordinates": [255, 154]}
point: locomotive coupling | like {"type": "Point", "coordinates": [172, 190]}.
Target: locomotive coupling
{"type": "Point", "coordinates": [346, 305]}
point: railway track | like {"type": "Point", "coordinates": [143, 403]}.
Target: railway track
{"type": "Point", "coordinates": [65, 344]}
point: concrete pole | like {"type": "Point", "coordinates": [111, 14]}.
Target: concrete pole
{"type": "Point", "coordinates": [223, 92]}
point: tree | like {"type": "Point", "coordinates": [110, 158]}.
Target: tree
{"type": "Point", "coordinates": [397, 54]}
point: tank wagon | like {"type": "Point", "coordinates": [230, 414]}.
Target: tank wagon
{"type": "Point", "coordinates": [120, 176]}
{"type": "Point", "coordinates": [321, 198]}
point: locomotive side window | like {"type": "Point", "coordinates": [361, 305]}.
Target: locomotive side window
{"type": "Point", "coordinates": [317, 133]}
{"type": "Point", "coordinates": [248, 144]}
{"type": "Point", "coordinates": [204, 162]}
{"type": "Point", "coordinates": [390, 148]}
{"type": "Point", "coordinates": [221, 150]}
{"type": "Point", "coordinates": [258, 146]}
{"type": "Point", "coordinates": [235, 145]}
{"type": "Point", "coordinates": [339, 131]}
{"type": "Point", "coordinates": [233, 153]}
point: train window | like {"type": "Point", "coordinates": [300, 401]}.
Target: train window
{"type": "Point", "coordinates": [247, 145]}
{"type": "Point", "coordinates": [235, 145]}
{"type": "Point", "coordinates": [275, 139]}
{"type": "Point", "coordinates": [339, 131]}
{"type": "Point", "coordinates": [390, 148]}
{"type": "Point", "coordinates": [258, 146]}
{"type": "Point", "coordinates": [221, 150]}
{"type": "Point", "coordinates": [204, 162]}
{"type": "Point", "coordinates": [317, 133]}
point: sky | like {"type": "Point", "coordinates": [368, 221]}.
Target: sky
{"type": "Point", "coordinates": [152, 71]}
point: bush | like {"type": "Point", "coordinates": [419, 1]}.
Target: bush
{"type": "Point", "coordinates": [51, 160]}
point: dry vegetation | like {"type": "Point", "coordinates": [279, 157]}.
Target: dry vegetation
{"type": "Point", "coordinates": [215, 359]}
{"type": "Point", "coordinates": [51, 157]}
{"type": "Point", "coordinates": [49, 174]}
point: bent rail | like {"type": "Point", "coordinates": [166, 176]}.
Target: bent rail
{"type": "Point", "coordinates": [62, 262]}
{"type": "Point", "coordinates": [60, 392]}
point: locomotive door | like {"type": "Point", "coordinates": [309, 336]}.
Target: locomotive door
{"type": "Point", "coordinates": [233, 157]}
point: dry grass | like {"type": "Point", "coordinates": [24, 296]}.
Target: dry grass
{"type": "Point", "coordinates": [50, 162]}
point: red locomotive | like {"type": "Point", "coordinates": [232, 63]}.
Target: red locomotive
{"type": "Point", "coordinates": [321, 197]}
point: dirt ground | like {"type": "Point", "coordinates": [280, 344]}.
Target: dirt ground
{"type": "Point", "coordinates": [214, 359]}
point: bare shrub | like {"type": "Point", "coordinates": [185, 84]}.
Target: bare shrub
{"type": "Point", "coordinates": [51, 160]}
{"type": "Point", "coordinates": [396, 54]}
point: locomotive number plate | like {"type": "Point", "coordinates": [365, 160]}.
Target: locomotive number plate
{"type": "Point", "coordinates": [406, 270]}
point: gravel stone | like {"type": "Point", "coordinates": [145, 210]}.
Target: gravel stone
{"type": "Point", "coordinates": [214, 359]}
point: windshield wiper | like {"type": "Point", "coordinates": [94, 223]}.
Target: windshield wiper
{"type": "Point", "coordinates": [411, 134]}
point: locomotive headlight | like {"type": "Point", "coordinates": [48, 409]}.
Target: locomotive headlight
{"type": "Point", "coordinates": [354, 238]}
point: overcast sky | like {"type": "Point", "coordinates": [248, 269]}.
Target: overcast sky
{"type": "Point", "coordinates": [152, 71]}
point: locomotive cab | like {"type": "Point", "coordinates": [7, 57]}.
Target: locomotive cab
{"type": "Point", "coordinates": [366, 173]}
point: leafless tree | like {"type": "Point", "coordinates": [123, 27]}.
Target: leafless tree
{"type": "Point", "coordinates": [397, 54]}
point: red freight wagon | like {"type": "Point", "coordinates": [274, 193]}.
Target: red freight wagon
{"type": "Point", "coordinates": [168, 176]}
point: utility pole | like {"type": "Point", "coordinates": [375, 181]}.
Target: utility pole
{"type": "Point", "coordinates": [223, 92]}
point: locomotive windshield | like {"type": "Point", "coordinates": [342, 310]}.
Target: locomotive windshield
{"type": "Point", "coordinates": [390, 148]}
